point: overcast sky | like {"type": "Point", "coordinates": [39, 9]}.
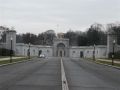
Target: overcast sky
{"type": "Point", "coordinates": [37, 16]}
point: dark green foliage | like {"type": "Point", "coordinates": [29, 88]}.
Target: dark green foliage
{"type": "Point", "coordinates": [19, 38]}
{"type": "Point", "coordinates": [5, 52]}
{"type": "Point", "coordinates": [97, 37]}
{"type": "Point", "coordinates": [29, 38]}
{"type": "Point", "coordinates": [46, 38]}
{"type": "Point", "coordinates": [3, 37]}
{"type": "Point", "coordinates": [82, 40]}
{"type": "Point", "coordinates": [116, 55]}
{"type": "Point", "coordinates": [73, 37]}
{"type": "Point", "coordinates": [116, 29]}
{"type": "Point", "coordinates": [94, 35]}
{"type": "Point", "coordinates": [40, 39]}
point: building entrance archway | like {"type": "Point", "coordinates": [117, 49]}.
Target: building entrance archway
{"type": "Point", "coordinates": [60, 50]}
{"type": "Point", "coordinates": [61, 53]}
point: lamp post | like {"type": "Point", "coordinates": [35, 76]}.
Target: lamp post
{"type": "Point", "coordinates": [94, 52]}
{"type": "Point", "coordinates": [11, 51]}
{"type": "Point", "coordinates": [29, 52]}
{"type": "Point", "coordinates": [29, 45]}
{"type": "Point", "coordinates": [113, 53]}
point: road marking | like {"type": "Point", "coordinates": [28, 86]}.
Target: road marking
{"type": "Point", "coordinates": [63, 77]}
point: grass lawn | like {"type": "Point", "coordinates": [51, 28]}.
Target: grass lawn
{"type": "Point", "coordinates": [4, 56]}
{"type": "Point", "coordinates": [109, 63]}
{"type": "Point", "coordinates": [13, 60]}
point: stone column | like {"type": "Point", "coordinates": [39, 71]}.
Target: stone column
{"type": "Point", "coordinates": [111, 36]}
{"type": "Point", "coordinates": [11, 34]}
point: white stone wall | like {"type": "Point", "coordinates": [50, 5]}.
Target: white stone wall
{"type": "Point", "coordinates": [46, 50]}
{"type": "Point", "coordinates": [88, 53]}
{"type": "Point", "coordinates": [100, 51]}
{"type": "Point", "coordinates": [110, 38]}
{"type": "Point", "coordinates": [22, 50]}
{"type": "Point", "coordinates": [75, 51]}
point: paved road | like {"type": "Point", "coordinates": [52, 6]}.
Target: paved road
{"type": "Point", "coordinates": [32, 75]}
{"type": "Point", "coordinates": [85, 75]}
{"type": "Point", "coordinates": [46, 75]}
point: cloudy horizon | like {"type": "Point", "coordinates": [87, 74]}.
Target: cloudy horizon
{"type": "Point", "coordinates": [37, 16]}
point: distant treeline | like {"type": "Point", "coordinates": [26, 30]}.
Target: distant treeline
{"type": "Point", "coordinates": [40, 39]}
{"type": "Point", "coordinates": [95, 34]}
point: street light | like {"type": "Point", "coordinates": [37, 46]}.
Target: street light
{"type": "Point", "coordinates": [29, 45]}
{"type": "Point", "coordinates": [94, 52]}
{"type": "Point", "coordinates": [29, 51]}
{"type": "Point", "coordinates": [11, 51]}
{"type": "Point", "coordinates": [113, 53]}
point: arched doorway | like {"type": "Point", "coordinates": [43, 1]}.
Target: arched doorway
{"type": "Point", "coordinates": [28, 52]}
{"type": "Point", "coordinates": [81, 54]}
{"type": "Point", "coordinates": [40, 52]}
{"type": "Point", "coordinates": [60, 50]}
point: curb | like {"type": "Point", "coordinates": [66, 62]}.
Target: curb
{"type": "Point", "coordinates": [15, 62]}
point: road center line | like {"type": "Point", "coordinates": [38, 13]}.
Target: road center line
{"type": "Point", "coordinates": [63, 77]}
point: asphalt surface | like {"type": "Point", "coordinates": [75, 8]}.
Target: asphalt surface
{"type": "Point", "coordinates": [45, 74]}
{"type": "Point", "coordinates": [38, 74]}
{"type": "Point", "coordinates": [86, 75]}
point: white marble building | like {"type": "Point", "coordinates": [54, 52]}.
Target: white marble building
{"type": "Point", "coordinates": [74, 51]}
{"type": "Point", "coordinates": [60, 48]}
